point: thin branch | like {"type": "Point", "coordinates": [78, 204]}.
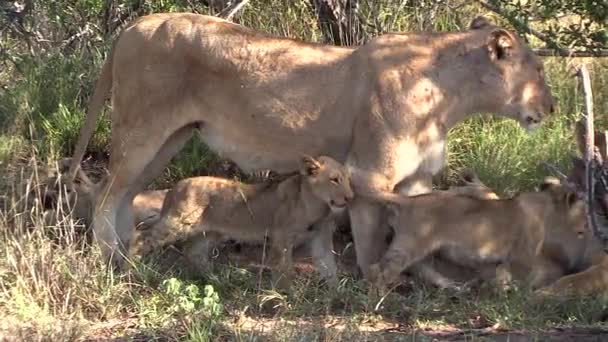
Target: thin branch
{"type": "Point", "coordinates": [550, 42]}
{"type": "Point", "coordinates": [229, 12]}
{"type": "Point", "coordinates": [583, 74]}
{"type": "Point", "coordinates": [563, 179]}
{"type": "Point", "coordinates": [570, 53]}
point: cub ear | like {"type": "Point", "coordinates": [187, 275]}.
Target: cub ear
{"type": "Point", "coordinates": [571, 198]}
{"type": "Point", "coordinates": [310, 166]}
{"type": "Point", "coordinates": [479, 22]}
{"type": "Point", "coordinates": [549, 183]}
{"type": "Point", "coordinates": [500, 44]}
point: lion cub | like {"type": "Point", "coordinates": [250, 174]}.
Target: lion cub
{"type": "Point", "coordinates": [283, 210]}
{"type": "Point", "coordinates": [503, 232]}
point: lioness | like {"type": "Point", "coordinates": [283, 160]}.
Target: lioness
{"type": "Point", "coordinates": [502, 232]}
{"type": "Point", "coordinates": [383, 108]}
{"type": "Point", "coordinates": [284, 210]}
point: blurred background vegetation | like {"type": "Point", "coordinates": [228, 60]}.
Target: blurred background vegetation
{"type": "Point", "coordinates": [51, 53]}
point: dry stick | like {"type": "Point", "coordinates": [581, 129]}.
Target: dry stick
{"type": "Point", "coordinates": [229, 12]}
{"type": "Point", "coordinates": [563, 179]}
{"type": "Point", "coordinates": [583, 73]}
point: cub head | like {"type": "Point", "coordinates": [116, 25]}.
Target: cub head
{"type": "Point", "coordinates": [568, 215]}
{"type": "Point", "coordinates": [328, 180]}
{"type": "Point", "coordinates": [514, 78]}
{"type": "Point", "coordinates": [76, 198]}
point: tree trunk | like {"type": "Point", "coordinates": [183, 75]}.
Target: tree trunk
{"type": "Point", "coordinates": [339, 21]}
{"type": "Point", "coordinates": [113, 17]}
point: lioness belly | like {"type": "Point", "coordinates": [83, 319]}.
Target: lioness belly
{"type": "Point", "coordinates": [251, 151]}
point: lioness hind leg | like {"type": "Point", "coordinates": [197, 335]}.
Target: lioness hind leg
{"type": "Point", "coordinates": [134, 162]}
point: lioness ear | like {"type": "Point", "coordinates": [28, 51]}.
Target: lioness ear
{"type": "Point", "coordinates": [310, 166]}
{"type": "Point", "coordinates": [478, 23]}
{"type": "Point", "coordinates": [500, 45]}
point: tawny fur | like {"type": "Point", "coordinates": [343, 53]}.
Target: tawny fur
{"type": "Point", "coordinates": [383, 108]}
{"type": "Point", "coordinates": [568, 265]}
{"type": "Point", "coordinates": [591, 264]}
{"type": "Point", "coordinates": [78, 199]}
{"type": "Point", "coordinates": [284, 211]}
{"type": "Point", "coordinates": [501, 232]}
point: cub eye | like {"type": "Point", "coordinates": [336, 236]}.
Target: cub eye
{"type": "Point", "coordinates": [335, 180]}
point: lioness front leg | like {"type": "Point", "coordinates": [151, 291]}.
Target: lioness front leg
{"type": "Point", "coordinates": [282, 259]}
{"type": "Point", "coordinates": [322, 247]}
{"type": "Point", "coordinates": [368, 231]}
{"type": "Point", "coordinates": [403, 252]}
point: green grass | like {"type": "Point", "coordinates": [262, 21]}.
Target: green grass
{"type": "Point", "coordinates": [54, 287]}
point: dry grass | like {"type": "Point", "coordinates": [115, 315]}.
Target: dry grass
{"type": "Point", "coordinates": [54, 287]}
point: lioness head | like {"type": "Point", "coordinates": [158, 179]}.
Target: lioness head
{"type": "Point", "coordinates": [328, 180]}
{"type": "Point", "coordinates": [517, 76]}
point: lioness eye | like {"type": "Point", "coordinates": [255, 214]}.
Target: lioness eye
{"type": "Point", "coordinates": [335, 180]}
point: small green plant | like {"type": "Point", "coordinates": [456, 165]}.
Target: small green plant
{"type": "Point", "coordinates": [177, 300]}
{"type": "Point", "coordinates": [188, 297]}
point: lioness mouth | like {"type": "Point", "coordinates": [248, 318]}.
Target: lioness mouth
{"type": "Point", "coordinates": [337, 205]}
